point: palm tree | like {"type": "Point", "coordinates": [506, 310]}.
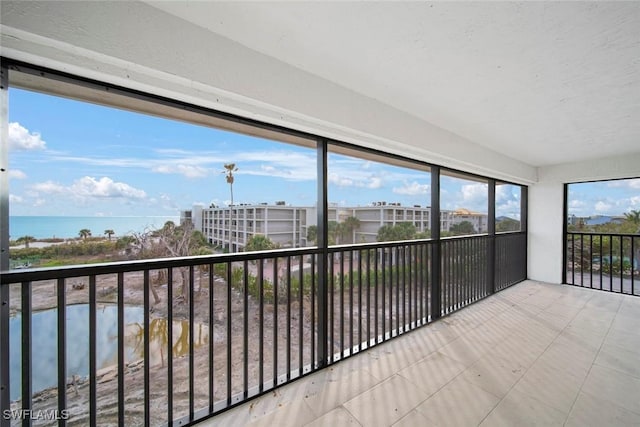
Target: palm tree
{"type": "Point", "coordinates": [84, 233]}
{"type": "Point", "coordinates": [351, 224]}
{"type": "Point", "coordinates": [26, 240]}
{"type": "Point", "coordinates": [230, 168]}
{"type": "Point", "coordinates": [312, 234]}
{"type": "Point", "coordinates": [109, 232]}
{"type": "Point", "coordinates": [633, 217]}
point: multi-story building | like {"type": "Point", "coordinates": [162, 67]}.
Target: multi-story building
{"type": "Point", "coordinates": [477, 219]}
{"type": "Point", "coordinates": [283, 225]}
{"type": "Point", "coordinates": [288, 226]}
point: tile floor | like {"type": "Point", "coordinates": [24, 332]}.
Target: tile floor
{"type": "Point", "coordinates": [534, 354]}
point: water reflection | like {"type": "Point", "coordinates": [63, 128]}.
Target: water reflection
{"type": "Point", "coordinates": [45, 336]}
{"type": "Point", "coordinates": [159, 337]}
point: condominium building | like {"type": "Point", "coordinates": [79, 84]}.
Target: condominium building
{"type": "Point", "coordinates": [288, 226]}
{"type": "Point", "coordinates": [477, 219]}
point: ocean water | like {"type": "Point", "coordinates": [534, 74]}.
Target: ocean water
{"type": "Point", "coordinates": [44, 227]}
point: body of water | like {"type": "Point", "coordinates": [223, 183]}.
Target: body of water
{"type": "Point", "coordinates": [44, 342]}
{"type": "Point", "coordinates": [45, 227]}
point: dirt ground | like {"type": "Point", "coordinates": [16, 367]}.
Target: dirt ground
{"type": "Point", "coordinates": [294, 319]}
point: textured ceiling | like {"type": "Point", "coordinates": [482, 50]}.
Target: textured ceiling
{"type": "Point", "coordinates": [542, 82]}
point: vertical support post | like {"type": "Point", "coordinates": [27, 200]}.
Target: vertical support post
{"type": "Point", "coordinates": [323, 241]}
{"type": "Point", "coordinates": [5, 401]}
{"type": "Point", "coordinates": [565, 213]}
{"type": "Point", "coordinates": [435, 235]}
{"type": "Point", "coordinates": [491, 231]}
{"type": "Point", "coordinates": [524, 227]}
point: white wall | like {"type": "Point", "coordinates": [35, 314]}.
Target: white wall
{"type": "Point", "coordinates": [545, 232]}
{"type": "Point", "coordinates": [546, 208]}
{"type": "Point", "coordinates": [137, 46]}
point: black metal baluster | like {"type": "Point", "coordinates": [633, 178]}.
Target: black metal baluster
{"type": "Point", "coordinates": [351, 273]}
{"type": "Point", "coordinates": [368, 252]}
{"type": "Point", "coordinates": [601, 261]}
{"type": "Point", "coordinates": [191, 343]}
{"type": "Point", "coordinates": [573, 259]}
{"type": "Point", "coordinates": [313, 313]}
{"type": "Point", "coordinates": [610, 263]}
{"type": "Point", "coordinates": [211, 335]}
{"type": "Point", "coordinates": [398, 267]}
{"type": "Point", "coordinates": [301, 317]}
{"type": "Point", "coordinates": [342, 345]}
{"type": "Point", "coordinates": [376, 262]}
{"type": "Point", "coordinates": [121, 360]}
{"type": "Point", "coordinates": [288, 374]}
{"type": "Point", "coordinates": [581, 259]}
{"type": "Point", "coordinates": [359, 298]}
{"type": "Point", "coordinates": [633, 264]}
{"type": "Point", "coordinates": [147, 387]}
{"type": "Point", "coordinates": [245, 327]}
{"type": "Point", "coordinates": [331, 308]}
{"type": "Point", "coordinates": [276, 284]}
{"type": "Point", "coordinates": [27, 340]}
{"type": "Point", "coordinates": [261, 326]}
{"type": "Point", "coordinates": [391, 275]}
{"type": "Point", "coordinates": [93, 367]}
{"type": "Point", "coordinates": [591, 261]}
{"type": "Point", "coordinates": [621, 264]}
{"type": "Point", "coordinates": [62, 349]}
{"type": "Point", "coordinates": [384, 286]}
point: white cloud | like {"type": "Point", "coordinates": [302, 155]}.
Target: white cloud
{"type": "Point", "coordinates": [635, 201]}
{"type": "Point", "coordinates": [189, 171]}
{"type": "Point", "coordinates": [334, 178]}
{"type": "Point", "coordinates": [17, 174]}
{"type": "Point", "coordinates": [48, 187]}
{"type": "Point", "coordinates": [412, 189]}
{"type": "Point", "coordinates": [20, 138]}
{"type": "Point", "coordinates": [474, 193]}
{"type": "Point", "coordinates": [602, 207]}
{"type": "Point", "coordinates": [89, 187]}
{"type": "Point", "coordinates": [375, 182]}
{"type": "Point", "coordinates": [15, 199]}
{"type": "Point", "coordinates": [105, 188]}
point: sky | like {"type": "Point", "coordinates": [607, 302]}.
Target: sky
{"type": "Point", "coordinates": [604, 198]}
{"type": "Point", "coordinates": [73, 158]}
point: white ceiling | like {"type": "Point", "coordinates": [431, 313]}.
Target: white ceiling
{"type": "Point", "coordinates": [542, 82]}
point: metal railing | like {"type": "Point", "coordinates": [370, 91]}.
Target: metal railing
{"type": "Point", "coordinates": [604, 261]}
{"type": "Point", "coordinates": [510, 259]}
{"type": "Point", "coordinates": [173, 341]}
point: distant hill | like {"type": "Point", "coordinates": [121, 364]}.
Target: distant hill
{"type": "Point", "coordinates": [602, 219]}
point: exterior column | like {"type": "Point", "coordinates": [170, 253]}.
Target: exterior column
{"type": "Point", "coordinates": [491, 231]}
{"type": "Point", "coordinates": [323, 241]}
{"type": "Point", "coordinates": [436, 309]}
{"type": "Point", "coordinates": [4, 242]}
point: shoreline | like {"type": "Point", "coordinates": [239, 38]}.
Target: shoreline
{"type": "Point", "coordinates": [43, 243]}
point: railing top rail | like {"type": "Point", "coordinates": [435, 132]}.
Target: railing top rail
{"type": "Point", "coordinates": [593, 233]}
{"type": "Point", "coordinates": [376, 245]}
{"type": "Point", "coordinates": [48, 273]}
{"type": "Point", "coordinates": [14, 276]}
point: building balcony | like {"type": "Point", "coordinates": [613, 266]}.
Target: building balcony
{"type": "Point", "coordinates": [535, 353]}
{"type": "Point", "coordinates": [229, 328]}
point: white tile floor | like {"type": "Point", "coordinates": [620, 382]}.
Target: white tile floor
{"type": "Point", "coordinates": [534, 354]}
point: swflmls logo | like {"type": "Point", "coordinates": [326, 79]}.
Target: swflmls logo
{"type": "Point", "coordinates": [30, 414]}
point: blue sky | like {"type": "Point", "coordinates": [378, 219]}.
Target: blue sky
{"type": "Point", "coordinates": [604, 198]}
{"type": "Point", "coordinates": [73, 158]}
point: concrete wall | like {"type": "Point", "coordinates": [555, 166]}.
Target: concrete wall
{"type": "Point", "coordinates": [546, 208]}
